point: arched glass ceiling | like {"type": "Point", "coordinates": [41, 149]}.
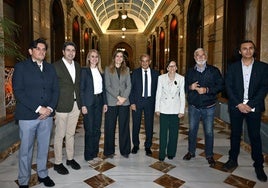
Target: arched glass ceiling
{"type": "Point", "coordinates": [104, 10]}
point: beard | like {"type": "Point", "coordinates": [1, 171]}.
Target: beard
{"type": "Point", "coordinates": [202, 62]}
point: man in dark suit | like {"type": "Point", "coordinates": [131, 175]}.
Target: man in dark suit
{"type": "Point", "coordinates": [142, 99]}
{"type": "Point", "coordinates": [246, 86]}
{"type": "Point", "coordinates": [35, 86]}
{"type": "Point", "coordinates": [68, 107]}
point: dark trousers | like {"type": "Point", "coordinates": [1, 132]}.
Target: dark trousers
{"type": "Point", "coordinates": [92, 126]}
{"type": "Point", "coordinates": [169, 128]}
{"type": "Point", "coordinates": [146, 106]}
{"type": "Point", "coordinates": [122, 112]}
{"type": "Point", "coordinates": [253, 120]}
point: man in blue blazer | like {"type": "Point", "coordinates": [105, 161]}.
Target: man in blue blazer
{"type": "Point", "coordinates": [35, 86]}
{"type": "Point", "coordinates": [143, 100]}
{"type": "Point", "coordinates": [246, 86]}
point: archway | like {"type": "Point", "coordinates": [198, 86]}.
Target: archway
{"type": "Point", "coordinates": [195, 21]}
{"type": "Point", "coordinates": [173, 39]}
{"type": "Point", "coordinates": [162, 49]}
{"type": "Point", "coordinates": [76, 38]}
{"type": "Point", "coordinates": [57, 30]}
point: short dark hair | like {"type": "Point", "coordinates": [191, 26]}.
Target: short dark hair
{"type": "Point", "coordinates": [68, 43]}
{"type": "Point", "coordinates": [169, 61]}
{"type": "Point", "coordinates": [35, 43]}
{"type": "Point", "coordinates": [247, 41]}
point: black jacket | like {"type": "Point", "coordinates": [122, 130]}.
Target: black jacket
{"type": "Point", "coordinates": [210, 78]}
{"type": "Point", "coordinates": [258, 85]}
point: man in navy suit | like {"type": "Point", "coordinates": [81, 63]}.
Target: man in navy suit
{"type": "Point", "coordinates": [143, 100]}
{"type": "Point", "coordinates": [35, 86]}
{"type": "Point", "coordinates": [246, 86]}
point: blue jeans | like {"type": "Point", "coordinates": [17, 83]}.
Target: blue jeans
{"type": "Point", "coordinates": [207, 117]}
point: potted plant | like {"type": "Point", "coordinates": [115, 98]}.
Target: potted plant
{"type": "Point", "coordinates": [8, 46]}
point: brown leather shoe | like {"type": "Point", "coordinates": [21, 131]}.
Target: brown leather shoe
{"type": "Point", "coordinates": [211, 161]}
{"type": "Point", "coordinates": [188, 156]}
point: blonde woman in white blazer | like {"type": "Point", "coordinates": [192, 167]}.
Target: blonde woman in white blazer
{"type": "Point", "coordinates": [169, 106]}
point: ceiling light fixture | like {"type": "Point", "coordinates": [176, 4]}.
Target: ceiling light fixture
{"type": "Point", "coordinates": [124, 12]}
{"type": "Point", "coordinates": [123, 36]}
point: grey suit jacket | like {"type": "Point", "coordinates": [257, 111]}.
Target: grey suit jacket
{"type": "Point", "coordinates": [117, 87]}
{"type": "Point", "coordinates": [67, 87]}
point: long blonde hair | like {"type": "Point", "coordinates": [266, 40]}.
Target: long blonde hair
{"type": "Point", "coordinates": [99, 59]}
{"type": "Point", "coordinates": [123, 67]}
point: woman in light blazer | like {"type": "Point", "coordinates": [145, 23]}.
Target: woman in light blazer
{"type": "Point", "coordinates": [169, 106]}
{"type": "Point", "coordinates": [118, 86]}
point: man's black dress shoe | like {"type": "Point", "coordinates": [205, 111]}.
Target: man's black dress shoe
{"type": "Point", "coordinates": [211, 161]}
{"type": "Point", "coordinates": [188, 156]}
{"type": "Point", "coordinates": [229, 165]}
{"type": "Point", "coordinates": [73, 164]}
{"type": "Point", "coordinates": [261, 174]}
{"type": "Point", "coordinates": [125, 155]}
{"type": "Point", "coordinates": [148, 151]}
{"type": "Point", "coordinates": [47, 181]}
{"type": "Point", "coordinates": [135, 149]}
{"type": "Point", "coordinates": [24, 186]}
{"type": "Point", "coordinates": [60, 168]}
{"type": "Point", "coordinates": [111, 156]}
{"type": "Point", "coordinates": [170, 157]}
{"type": "Point", "coordinates": [160, 159]}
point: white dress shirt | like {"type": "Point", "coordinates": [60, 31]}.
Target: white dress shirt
{"type": "Point", "coordinates": [97, 81]}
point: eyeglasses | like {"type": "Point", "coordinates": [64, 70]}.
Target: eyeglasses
{"type": "Point", "coordinates": [172, 66]}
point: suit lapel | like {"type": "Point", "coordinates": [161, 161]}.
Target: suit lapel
{"type": "Point", "coordinates": [241, 79]}
{"type": "Point", "coordinates": [77, 73]}
{"type": "Point", "coordinates": [252, 78]}
{"type": "Point", "coordinates": [140, 79]}
{"type": "Point", "coordinates": [65, 71]}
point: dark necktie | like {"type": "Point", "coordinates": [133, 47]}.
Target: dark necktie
{"type": "Point", "coordinates": [40, 67]}
{"type": "Point", "coordinates": [145, 84]}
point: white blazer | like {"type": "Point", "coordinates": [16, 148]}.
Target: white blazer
{"type": "Point", "coordinates": [170, 96]}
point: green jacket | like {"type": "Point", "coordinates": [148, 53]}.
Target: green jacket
{"type": "Point", "coordinates": [67, 87]}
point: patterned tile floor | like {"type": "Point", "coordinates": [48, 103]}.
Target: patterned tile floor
{"type": "Point", "coordinates": [142, 171]}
